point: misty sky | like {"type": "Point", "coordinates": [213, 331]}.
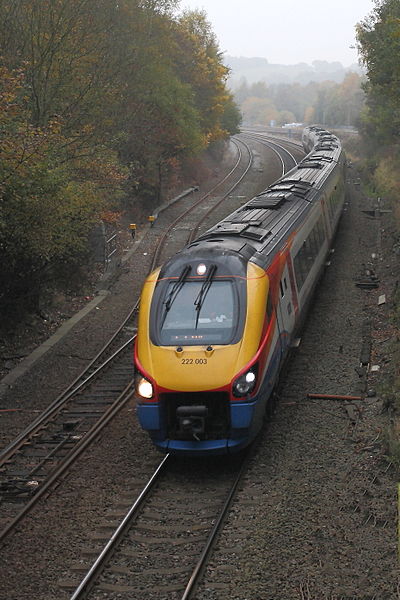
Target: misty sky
{"type": "Point", "coordinates": [286, 31]}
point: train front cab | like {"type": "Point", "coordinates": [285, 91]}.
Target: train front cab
{"type": "Point", "coordinates": [209, 398]}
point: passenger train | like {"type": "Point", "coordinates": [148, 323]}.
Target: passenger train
{"type": "Point", "coordinates": [217, 320]}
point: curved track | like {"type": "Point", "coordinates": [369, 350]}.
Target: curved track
{"type": "Point", "coordinates": [33, 462]}
{"type": "Point", "coordinates": [280, 147]}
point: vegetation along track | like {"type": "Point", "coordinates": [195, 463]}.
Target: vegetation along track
{"type": "Point", "coordinates": [33, 462]}
{"type": "Point", "coordinates": [162, 543]}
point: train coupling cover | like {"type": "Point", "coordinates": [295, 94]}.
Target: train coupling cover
{"type": "Point", "coordinates": [192, 420]}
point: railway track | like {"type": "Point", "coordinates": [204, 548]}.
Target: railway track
{"type": "Point", "coordinates": [287, 160]}
{"type": "Point", "coordinates": [34, 461]}
{"type": "Point", "coordinates": [209, 199]}
{"type": "Point", "coordinates": [279, 147]}
{"type": "Point", "coordinates": [281, 139]}
{"type": "Point", "coordinates": [162, 543]}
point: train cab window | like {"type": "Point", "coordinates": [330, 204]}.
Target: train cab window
{"type": "Point", "coordinates": [198, 315]}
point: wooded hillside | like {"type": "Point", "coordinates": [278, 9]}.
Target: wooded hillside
{"type": "Point", "coordinates": [328, 103]}
{"type": "Point", "coordinates": [379, 46]}
{"type": "Point", "coordinates": [99, 100]}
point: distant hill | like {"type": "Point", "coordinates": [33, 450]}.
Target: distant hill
{"type": "Point", "coordinates": [259, 69]}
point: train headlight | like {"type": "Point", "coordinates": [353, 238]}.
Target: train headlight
{"type": "Point", "coordinates": [244, 384]}
{"type": "Point", "coordinates": [144, 388]}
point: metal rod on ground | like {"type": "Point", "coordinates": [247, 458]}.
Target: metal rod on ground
{"type": "Point", "coordinates": [333, 397]}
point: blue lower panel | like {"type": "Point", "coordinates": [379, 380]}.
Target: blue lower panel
{"type": "Point", "coordinates": [207, 448]}
{"type": "Point", "coordinates": [149, 416]}
{"type": "Point", "coordinates": [242, 414]}
{"type": "Point", "coordinates": [240, 436]}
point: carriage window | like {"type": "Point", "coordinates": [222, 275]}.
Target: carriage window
{"type": "Point", "coordinates": [305, 257]}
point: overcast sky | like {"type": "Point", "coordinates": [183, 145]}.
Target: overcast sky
{"type": "Point", "coordinates": [286, 31]}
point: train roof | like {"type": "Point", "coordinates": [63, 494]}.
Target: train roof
{"type": "Point", "coordinates": [267, 219]}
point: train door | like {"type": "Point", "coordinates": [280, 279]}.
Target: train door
{"type": "Point", "coordinates": [286, 312]}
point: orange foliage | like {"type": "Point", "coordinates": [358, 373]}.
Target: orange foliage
{"type": "Point", "coordinates": [109, 216]}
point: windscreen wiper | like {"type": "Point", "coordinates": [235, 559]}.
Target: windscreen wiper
{"type": "Point", "coordinates": [175, 291]}
{"type": "Point", "coordinates": [201, 296]}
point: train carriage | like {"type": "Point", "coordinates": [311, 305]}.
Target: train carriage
{"type": "Point", "coordinates": [217, 320]}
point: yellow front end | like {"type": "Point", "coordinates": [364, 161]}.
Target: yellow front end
{"type": "Point", "coordinates": [200, 368]}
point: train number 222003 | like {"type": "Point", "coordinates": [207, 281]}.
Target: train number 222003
{"type": "Point", "coordinates": [194, 361]}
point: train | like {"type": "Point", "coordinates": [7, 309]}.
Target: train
{"type": "Point", "coordinates": [217, 320]}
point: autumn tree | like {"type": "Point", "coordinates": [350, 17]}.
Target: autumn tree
{"type": "Point", "coordinates": [231, 118]}
{"type": "Point", "coordinates": [45, 215]}
{"type": "Point", "coordinates": [200, 64]}
{"type": "Point", "coordinates": [379, 46]}
{"type": "Point", "coordinates": [66, 47]}
{"type": "Point", "coordinates": [259, 111]}
{"type": "Point", "coordinates": [327, 103]}
{"type": "Point", "coordinates": [96, 95]}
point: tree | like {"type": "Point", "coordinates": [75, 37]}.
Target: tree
{"type": "Point", "coordinates": [65, 45]}
{"type": "Point", "coordinates": [95, 93]}
{"type": "Point", "coordinates": [231, 118]}
{"type": "Point", "coordinates": [200, 65]}
{"type": "Point", "coordinates": [328, 103]}
{"type": "Point", "coordinates": [45, 216]}
{"type": "Point", "coordinates": [259, 111]}
{"type": "Point", "coordinates": [378, 39]}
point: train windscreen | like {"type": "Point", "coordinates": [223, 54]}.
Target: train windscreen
{"type": "Point", "coordinates": [198, 313]}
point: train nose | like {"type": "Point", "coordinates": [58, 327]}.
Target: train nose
{"type": "Point", "coordinates": [191, 420]}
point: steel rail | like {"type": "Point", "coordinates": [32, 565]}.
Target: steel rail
{"type": "Point", "coordinates": [269, 136]}
{"type": "Point", "coordinates": [278, 154]}
{"type": "Point", "coordinates": [296, 145]}
{"type": "Point", "coordinates": [202, 561]}
{"type": "Point", "coordinates": [99, 565]}
{"type": "Point", "coordinates": [54, 408]}
{"type": "Point", "coordinates": [79, 448]}
{"type": "Point", "coordinates": [96, 568]}
{"type": "Point", "coordinates": [271, 145]}
{"type": "Point", "coordinates": [89, 580]}
{"type": "Point", "coordinates": [265, 134]}
{"type": "Point", "coordinates": [195, 230]}
{"type": "Point", "coordinates": [284, 150]}
{"type": "Point", "coordinates": [172, 225]}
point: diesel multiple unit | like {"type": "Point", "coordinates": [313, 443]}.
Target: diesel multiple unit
{"type": "Point", "coordinates": [217, 320]}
